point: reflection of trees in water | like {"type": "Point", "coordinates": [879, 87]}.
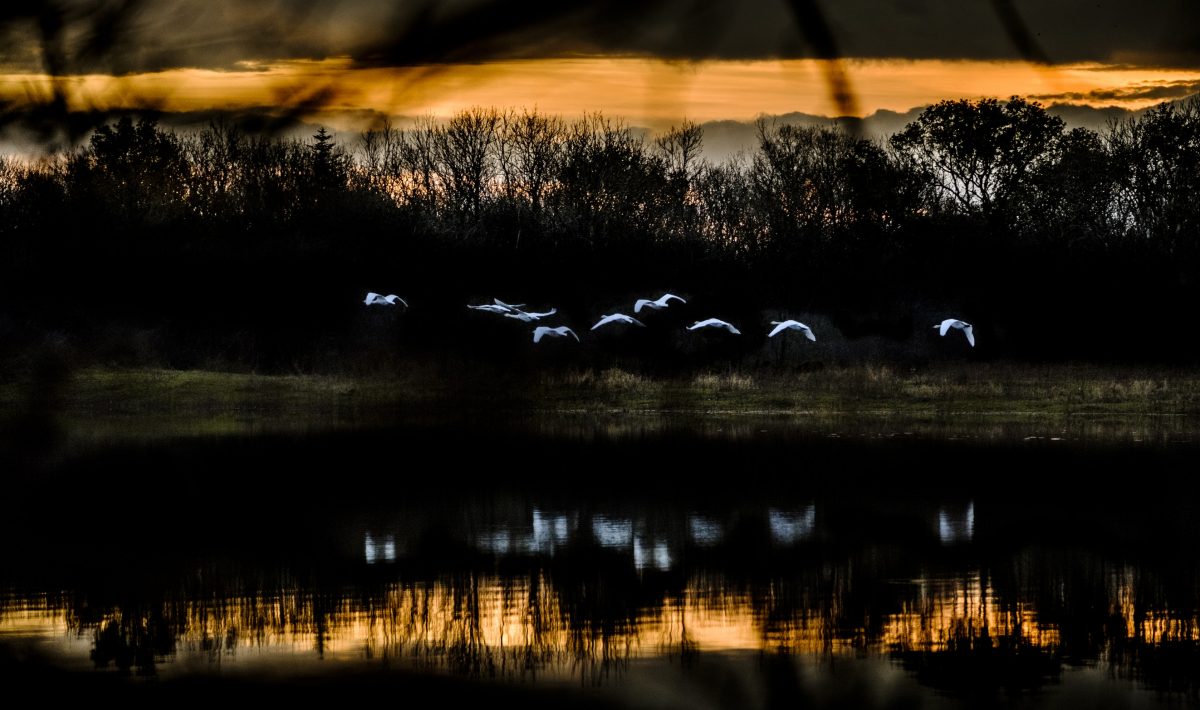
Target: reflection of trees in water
{"type": "Point", "coordinates": [133, 640]}
{"type": "Point", "coordinates": [1011, 624]}
{"type": "Point", "coordinates": [484, 625]}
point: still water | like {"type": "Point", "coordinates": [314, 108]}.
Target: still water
{"type": "Point", "coordinates": [674, 567]}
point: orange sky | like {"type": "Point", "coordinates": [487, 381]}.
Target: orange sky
{"type": "Point", "coordinates": [643, 91]}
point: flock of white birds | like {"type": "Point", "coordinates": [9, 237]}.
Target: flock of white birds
{"type": "Point", "coordinates": [516, 311]}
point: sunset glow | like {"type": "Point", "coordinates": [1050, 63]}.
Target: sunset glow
{"type": "Point", "coordinates": [644, 91]}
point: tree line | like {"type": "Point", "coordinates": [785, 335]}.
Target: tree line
{"type": "Point", "coordinates": [993, 208]}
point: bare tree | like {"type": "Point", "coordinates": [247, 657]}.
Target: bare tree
{"type": "Point", "coordinates": [1157, 158]}
{"type": "Point", "coordinates": [609, 187]}
{"type": "Point", "coordinates": [416, 166]}
{"type": "Point", "coordinates": [216, 155]}
{"type": "Point", "coordinates": [530, 154]}
{"type": "Point", "coordinates": [682, 147]}
{"type": "Point", "coordinates": [379, 150]}
{"type": "Point", "coordinates": [727, 214]}
{"type": "Point", "coordinates": [466, 154]}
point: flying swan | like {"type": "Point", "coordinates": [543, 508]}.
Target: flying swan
{"type": "Point", "coordinates": [543, 331]}
{"type": "Point", "coordinates": [658, 305]}
{"type": "Point", "coordinates": [618, 318]}
{"type": "Point", "coordinates": [967, 329]}
{"type": "Point", "coordinates": [782, 325]}
{"type": "Point", "coordinates": [714, 323]}
{"type": "Point", "coordinates": [374, 299]}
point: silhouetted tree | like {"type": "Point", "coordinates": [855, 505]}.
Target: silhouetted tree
{"type": "Point", "coordinates": [1158, 156]}
{"type": "Point", "coordinates": [728, 217]}
{"type": "Point", "coordinates": [530, 153]}
{"type": "Point", "coordinates": [380, 154]}
{"type": "Point", "coordinates": [1076, 192]}
{"type": "Point", "coordinates": [811, 184]}
{"type": "Point", "coordinates": [980, 153]}
{"type": "Point", "coordinates": [609, 187]}
{"type": "Point", "coordinates": [215, 182]}
{"type": "Point", "coordinates": [466, 154]}
{"type": "Point", "coordinates": [330, 166]}
{"type": "Point", "coordinates": [417, 169]}
{"type": "Point", "coordinates": [135, 172]}
{"type": "Point", "coordinates": [227, 219]}
{"type": "Point", "coordinates": [681, 149]}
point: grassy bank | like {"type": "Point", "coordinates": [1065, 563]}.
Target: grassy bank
{"type": "Point", "coordinates": [104, 404]}
{"type": "Point", "coordinates": [946, 389]}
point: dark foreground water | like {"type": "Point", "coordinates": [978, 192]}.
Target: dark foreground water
{"type": "Point", "coordinates": [743, 566]}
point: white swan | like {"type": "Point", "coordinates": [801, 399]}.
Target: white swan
{"type": "Point", "coordinates": [618, 318]}
{"type": "Point", "coordinates": [375, 299]}
{"type": "Point", "coordinates": [561, 331]}
{"type": "Point", "coordinates": [714, 323]}
{"type": "Point", "coordinates": [530, 317]}
{"type": "Point", "coordinates": [967, 329]}
{"type": "Point", "coordinates": [782, 325]}
{"type": "Point", "coordinates": [498, 306]}
{"type": "Point", "coordinates": [661, 303]}
{"type": "Point", "coordinates": [489, 308]}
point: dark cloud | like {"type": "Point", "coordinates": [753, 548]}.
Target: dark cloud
{"type": "Point", "coordinates": [1152, 32]}
{"type": "Point", "coordinates": [120, 36]}
{"type": "Point", "coordinates": [1148, 91]}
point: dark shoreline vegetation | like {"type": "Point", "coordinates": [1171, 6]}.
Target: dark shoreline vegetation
{"type": "Point", "coordinates": [228, 251]}
{"type": "Point", "coordinates": [1001, 402]}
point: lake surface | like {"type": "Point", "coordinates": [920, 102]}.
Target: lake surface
{"type": "Point", "coordinates": [705, 563]}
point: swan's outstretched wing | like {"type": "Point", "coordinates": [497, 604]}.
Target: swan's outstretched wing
{"type": "Point", "coordinates": [732, 329]}
{"type": "Point", "coordinates": [807, 332]}
{"type": "Point", "coordinates": [371, 296]}
{"type": "Point", "coordinates": [970, 331]}
{"type": "Point", "coordinates": [640, 304]}
{"type": "Point", "coordinates": [391, 298]}
{"type": "Point", "coordinates": [779, 328]}
{"type": "Point", "coordinates": [539, 332]}
{"type": "Point", "coordinates": [564, 330]}
{"type": "Point", "coordinates": [662, 301]}
{"type": "Point", "coordinates": [618, 318]}
{"type": "Point", "coordinates": [945, 326]}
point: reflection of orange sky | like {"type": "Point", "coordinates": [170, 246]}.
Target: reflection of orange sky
{"type": "Point", "coordinates": [644, 91]}
{"type": "Point", "coordinates": [516, 623]}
